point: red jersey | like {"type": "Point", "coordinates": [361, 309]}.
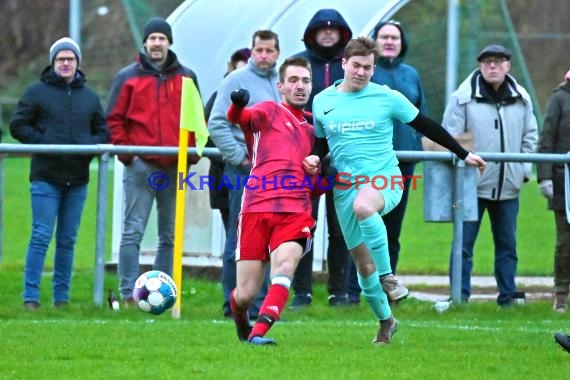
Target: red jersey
{"type": "Point", "coordinates": [278, 138]}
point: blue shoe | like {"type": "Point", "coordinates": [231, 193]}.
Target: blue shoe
{"type": "Point", "coordinates": [301, 300]}
{"type": "Point", "coordinates": [261, 341]}
{"type": "Point", "coordinates": [354, 299]}
{"type": "Point", "coordinates": [338, 300]}
{"type": "Point", "coordinates": [563, 340]}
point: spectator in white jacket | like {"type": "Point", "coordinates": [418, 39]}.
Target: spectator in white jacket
{"type": "Point", "coordinates": [498, 112]}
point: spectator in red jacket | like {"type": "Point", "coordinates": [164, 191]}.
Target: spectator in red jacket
{"type": "Point", "coordinates": [144, 109]}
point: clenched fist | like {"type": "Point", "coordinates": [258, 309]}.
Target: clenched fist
{"type": "Point", "coordinates": [240, 98]}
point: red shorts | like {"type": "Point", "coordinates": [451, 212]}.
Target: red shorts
{"type": "Point", "coordinates": [260, 233]}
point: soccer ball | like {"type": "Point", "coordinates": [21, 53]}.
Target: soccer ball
{"type": "Point", "coordinates": [155, 292]}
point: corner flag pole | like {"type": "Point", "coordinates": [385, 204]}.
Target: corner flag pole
{"type": "Point", "coordinates": [179, 219]}
{"type": "Point", "coordinates": [191, 119]}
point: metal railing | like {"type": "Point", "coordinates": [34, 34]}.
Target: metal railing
{"type": "Point", "coordinates": [105, 151]}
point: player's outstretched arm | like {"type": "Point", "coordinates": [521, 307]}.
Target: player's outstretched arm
{"type": "Point", "coordinates": [440, 135]}
{"type": "Point", "coordinates": [474, 160]}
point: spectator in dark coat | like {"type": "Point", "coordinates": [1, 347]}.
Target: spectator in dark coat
{"type": "Point", "coordinates": [325, 38]}
{"type": "Point", "coordinates": [59, 109]}
{"type": "Point", "coordinates": [555, 138]}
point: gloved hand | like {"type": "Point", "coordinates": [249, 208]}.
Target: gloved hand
{"type": "Point", "coordinates": [240, 98]}
{"type": "Point", "coordinates": [546, 188]}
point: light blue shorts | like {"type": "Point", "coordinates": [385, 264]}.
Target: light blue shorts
{"type": "Point", "coordinates": [386, 183]}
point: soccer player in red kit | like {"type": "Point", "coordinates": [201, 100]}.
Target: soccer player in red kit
{"type": "Point", "coordinates": [275, 222]}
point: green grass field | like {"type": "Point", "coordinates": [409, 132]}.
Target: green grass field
{"type": "Point", "coordinates": [477, 340]}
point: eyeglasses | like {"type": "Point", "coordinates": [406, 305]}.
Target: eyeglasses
{"type": "Point", "coordinates": [493, 60]}
{"type": "Point", "coordinates": [64, 59]}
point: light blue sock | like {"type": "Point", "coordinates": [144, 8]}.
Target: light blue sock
{"type": "Point", "coordinates": [372, 291]}
{"type": "Point", "coordinates": [376, 239]}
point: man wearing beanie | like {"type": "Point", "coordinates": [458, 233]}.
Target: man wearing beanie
{"type": "Point", "coordinates": [144, 109]}
{"type": "Point", "coordinates": [59, 109]}
{"type": "Point", "coordinates": [65, 43]}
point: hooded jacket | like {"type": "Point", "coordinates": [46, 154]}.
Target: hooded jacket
{"type": "Point", "coordinates": [405, 79]}
{"type": "Point", "coordinates": [54, 112]}
{"type": "Point", "coordinates": [555, 138]}
{"type": "Point", "coordinates": [506, 124]}
{"type": "Point", "coordinates": [325, 62]}
{"type": "Point", "coordinates": [144, 106]}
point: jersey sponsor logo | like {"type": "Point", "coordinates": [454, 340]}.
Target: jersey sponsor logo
{"type": "Point", "coordinates": [351, 126]}
{"type": "Point", "coordinates": [327, 111]}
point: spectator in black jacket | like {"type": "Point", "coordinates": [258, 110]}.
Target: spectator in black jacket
{"type": "Point", "coordinates": [59, 109]}
{"type": "Point", "coordinates": [555, 138]}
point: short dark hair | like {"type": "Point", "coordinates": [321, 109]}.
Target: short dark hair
{"type": "Point", "coordinates": [361, 46]}
{"type": "Point", "coordinates": [265, 35]}
{"type": "Point", "coordinates": [241, 55]}
{"type": "Point", "coordinates": [293, 61]}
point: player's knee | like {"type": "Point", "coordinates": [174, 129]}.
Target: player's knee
{"type": "Point", "coordinates": [244, 296]}
{"type": "Point", "coordinates": [362, 209]}
{"type": "Point", "coordinates": [286, 268]}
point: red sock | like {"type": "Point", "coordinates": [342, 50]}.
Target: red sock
{"type": "Point", "coordinates": [271, 308]}
{"type": "Point", "coordinates": [240, 314]}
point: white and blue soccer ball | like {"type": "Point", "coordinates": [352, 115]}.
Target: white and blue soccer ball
{"type": "Point", "coordinates": [155, 292]}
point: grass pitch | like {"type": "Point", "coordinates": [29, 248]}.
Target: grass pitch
{"type": "Point", "coordinates": [473, 341]}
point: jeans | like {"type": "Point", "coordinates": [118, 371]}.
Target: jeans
{"type": "Point", "coordinates": [503, 216]}
{"type": "Point", "coordinates": [53, 204]}
{"type": "Point", "coordinates": [139, 198]}
{"type": "Point", "coordinates": [234, 176]}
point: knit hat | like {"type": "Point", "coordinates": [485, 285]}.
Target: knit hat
{"type": "Point", "coordinates": [157, 25]}
{"type": "Point", "coordinates": [567, 77]}
{"type": "Point", "coordinates": [64, 43]}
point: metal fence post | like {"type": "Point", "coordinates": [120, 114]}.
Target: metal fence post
{"type": "Point", "coordinates": [1, 207]}
{"type": "Point", "coordinates": [457, 245]}
{"type": "Point", "coordinates": [101, 224]}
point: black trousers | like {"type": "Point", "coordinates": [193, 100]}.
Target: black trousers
{"type": "Point", "coordinates": [338, 256]}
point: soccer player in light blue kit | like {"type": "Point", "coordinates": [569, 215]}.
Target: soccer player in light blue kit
{"type": "Point", "coordinates": [353, 118]}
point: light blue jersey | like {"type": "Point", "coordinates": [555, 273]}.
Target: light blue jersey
{"type": "Point", "coordinates": [358, 127]}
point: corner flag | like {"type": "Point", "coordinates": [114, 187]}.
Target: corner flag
{"type": "Point", "coordinates": [192, 114]}
{"type": "Point", "coordinates": [191, 119]}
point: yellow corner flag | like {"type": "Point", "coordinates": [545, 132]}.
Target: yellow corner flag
{"type": "Point", "coordinates": [192, 114]}
{"type": "Point", "coordinates": [191, 119]}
